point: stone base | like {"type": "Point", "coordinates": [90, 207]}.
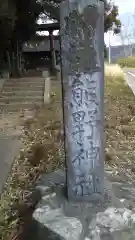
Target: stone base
{"type": "Point", "coordinates": [47, 90]}
{"type": "Point", "coordinates": [81, 221]}
{"type": "Point", "coordinates": [45, 73]}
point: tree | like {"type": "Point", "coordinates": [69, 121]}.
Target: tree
{"type": "Point", "coordinates": [127, 35]}
{"type": "Point", "coordinates": [111, 13]}
{"type": "Point", "coordinates": [27, 13]}
{"type": "Point", "coordinates": [7, 24]}
{"type": "Point", "coordinates": [112, 21]}
{"type": "Point", "coordinates": [17, 25]}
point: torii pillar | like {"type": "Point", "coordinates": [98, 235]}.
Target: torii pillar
{"type": "Point", "coordinates": [52, 50]}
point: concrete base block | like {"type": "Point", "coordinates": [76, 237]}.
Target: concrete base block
{"type": "Point", "coordinates": [47, 90]}
{"type": "Point", "coordinates": [58, 76]}
{"type": "Point", "coordinates": [81, 221]}
{"type": "Point", "coordinates": [45, 73]}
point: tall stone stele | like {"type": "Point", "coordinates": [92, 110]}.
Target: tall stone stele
{"type": "Point", "coordinates": [82, 49]}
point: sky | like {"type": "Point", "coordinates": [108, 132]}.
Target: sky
{"type": "Point", "coordinates": [125, 6]}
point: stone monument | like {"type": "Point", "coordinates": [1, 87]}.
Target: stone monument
{"type": "Point", "coordinates": [88, 213]}
{"type": "Point", "coordinates": [82, 44]}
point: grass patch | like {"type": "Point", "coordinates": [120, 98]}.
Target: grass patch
{"type": "Point", "coordinates": [127, 62]}
{"type": "Point", "coordinates": [113, 72]}
{"type": "Point", "coordinates": [120, 122]}
{"type": "Point", "coordinates": [43, 151]}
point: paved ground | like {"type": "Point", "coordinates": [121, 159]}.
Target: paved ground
{"type": "Point", "coordinates": [16, 97]}
{"type": "Point", "coordinates": [11, 126]}
{"type": "Point", "coordinates": [9, 147]}
{"type": "Point", "coordinates": [130, 78]}
{"type": "Point", "coordinates": [10, 143]}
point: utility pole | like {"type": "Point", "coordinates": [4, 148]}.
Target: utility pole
{"type": "Point", "coordinates": [109, 47]}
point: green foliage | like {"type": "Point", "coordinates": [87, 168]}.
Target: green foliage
{"type": "Point", "coordinates": [27, 12]}
{"type": "Point", "coordinates": [111, 18]}
{"type": "Point", "coordinates": [18, 18]}
{"type": "Point", "coordinates": [7, 22]}
{"type": "Point", "coordinates": [127, 62]}
{"type": "Point", "coordinates": [17, 25]}
{"type": "Point", "coordinates": [18, 21]}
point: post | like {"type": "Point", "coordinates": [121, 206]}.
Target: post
{"type": "Point", "coordinates": [52, 50]}
{"type": "Point", "coordinates": [47, 90]}
{"type": "Point", "coordinates": [109, 49]}
{"type": "Point", "coordinates": [82, 48]}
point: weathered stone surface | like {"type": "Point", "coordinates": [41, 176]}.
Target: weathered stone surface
{"type": "Point", "coordinates": [47, 90]}
{"type": "Point", "coordinates": [81, 221]}
{"type": "Point", "coordinates": [45, 73]}
{"type": "Point", "coordinates": [112, 224]}
{"type": "Point", "coordinates": [82, 68]}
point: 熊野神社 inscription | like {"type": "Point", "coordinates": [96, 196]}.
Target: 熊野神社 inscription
{"type": "Point", "coordinates": [84, 121]}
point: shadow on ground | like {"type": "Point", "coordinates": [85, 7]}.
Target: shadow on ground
{"type": "Point", "coordinates": [124, 188]}
{"type": "Point", "coordinates": [35, 231]}
{"type": "Point", "coordinates": [28, 228]}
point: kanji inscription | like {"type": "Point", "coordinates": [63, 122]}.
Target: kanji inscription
{"type": "Point", "coordinates": [84, 121]}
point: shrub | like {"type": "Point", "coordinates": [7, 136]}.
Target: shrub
{"type": "Point", "coordinates": [113, 71]}
{"type": "Point", "coordinates": [127, 62]}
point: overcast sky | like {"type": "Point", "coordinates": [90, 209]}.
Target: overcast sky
{"type": "Point", "coordinates": [125, 6]}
